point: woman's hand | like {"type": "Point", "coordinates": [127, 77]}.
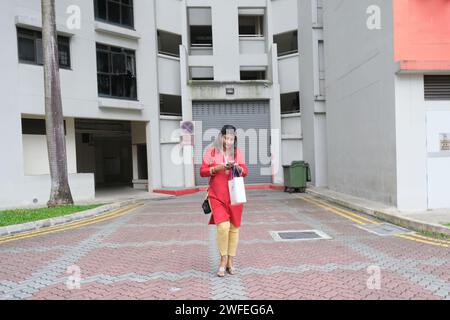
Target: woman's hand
{"type": "Point", "coordinates": [229, 165]}
{"type": "Point", "coordinates": [220, 168]}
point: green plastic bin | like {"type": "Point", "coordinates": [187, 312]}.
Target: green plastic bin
{"type": "Point", "coordinates": [296, 175]}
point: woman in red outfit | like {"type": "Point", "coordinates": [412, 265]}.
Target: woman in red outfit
{"type": "Point", "coordinates": [218, 162]}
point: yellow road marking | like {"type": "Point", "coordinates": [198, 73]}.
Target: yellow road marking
{"type": "Point", "coordinates": [333, 210]}
{"type": "Point", "coordinates": [108, 216]}
{"type": "Point", "coordinates": [72, 225]}
{"type": "Point", "coordinates": [423, 241]}
{"type": "Point", "coordinates": [431, 239]}
{"type": "Point", "coordinates": [349, 215]}
{"type": "Point", "coordinates": [343, 211]}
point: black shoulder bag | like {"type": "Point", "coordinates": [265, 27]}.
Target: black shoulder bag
{"type": "Point", "coordinates": [206, 205]}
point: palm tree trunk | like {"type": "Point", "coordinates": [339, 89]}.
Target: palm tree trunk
{"type": "Point", "coordinates": [56, 144]}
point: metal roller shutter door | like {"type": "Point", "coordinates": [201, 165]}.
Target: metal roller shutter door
{"type": "Point", "coordinates": [243, 115]}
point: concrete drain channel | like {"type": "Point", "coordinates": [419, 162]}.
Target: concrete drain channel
{"type": "Point", "coordinates": [381, 229]}
{"type": "Point", "coordinates": [384, 229]}
{"type": "Point", "coordinates": [299, 235]}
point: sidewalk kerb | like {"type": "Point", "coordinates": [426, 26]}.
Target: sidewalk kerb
{"type": "Point", "coordinates": [74, 217]}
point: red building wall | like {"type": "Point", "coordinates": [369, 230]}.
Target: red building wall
{"type": "Point", "coordinates": [422, 34]}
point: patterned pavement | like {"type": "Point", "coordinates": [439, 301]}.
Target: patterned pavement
{"type": "Point", "coordinates": [166, 250]}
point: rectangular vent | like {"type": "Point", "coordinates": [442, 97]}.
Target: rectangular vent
{"type": "Point", "coordinates": [296, 235]}
{"type": "Point", "coordinates": [437, 87]}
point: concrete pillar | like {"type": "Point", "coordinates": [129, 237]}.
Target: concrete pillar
{"type": "Point", "coordinates": [11, 162]}
{"type": "Point", "coordinates": [149, 81]}
{"type": "Point", "coordinates": [186, 109]}
{"type": "Point", "coordinates": [153, 155]}
{"type": "Point", "coordinates": [275, 119]}
{"type": "Point", "coordinates": [135, 161]}
{"type": "Point", "coordinates": [313, 111]}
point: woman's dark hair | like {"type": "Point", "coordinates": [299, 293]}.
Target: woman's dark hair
{"type": "Point", "coordinates": [228, 128]}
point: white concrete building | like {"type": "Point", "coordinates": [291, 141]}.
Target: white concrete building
{"type": "Point", "coordinates": [131, 71]}
{"type": "Point", "coordinates": [376, 122]}
{"type": "Point", "coordinates": [372, 84]}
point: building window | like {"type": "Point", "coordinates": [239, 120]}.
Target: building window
{"type": "Point", "coordinates": [201, 73]}
{"type": "Point", "coordinates": [201, 36]}
{"type": "Point", "coordinates": [116, 72]}
{"type": "Point", "coordinates": [169, 43]}
{"type": "Point", "coordinates": [290, 102]}
{"type": "Point", "coordinates": [31, 50]}
{"type": "Point", "coordinates": [287, 43]}
{"type": "Point", "coordinates": [36, 126]}
{"type": "Point", "coordinates": [253, 75]}
{"type": "Point", "coordinates": [200, 28]}
{"type": "Point", "coordinates": [437, 87]}
{"type": "Point", "coordinates": [251, 25]}
{"type": "Point", "coordinates": [321, 70]}
{"type": "Point", "coordinates": [169, 105]}
{"type": "Point", "coordinates": [319, 5]}
{"type": "Point", "coordinates": [118, 12]}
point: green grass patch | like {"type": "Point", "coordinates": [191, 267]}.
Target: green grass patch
{"type": "Point", "coordinates": [438, 236]}
{"type": "Point", "coordinates": [18, 216]}
{"type": "Point", "coordinates": [447, 225]}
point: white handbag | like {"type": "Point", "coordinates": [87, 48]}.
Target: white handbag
{"type": "Point", "coordinates": [236, 187]}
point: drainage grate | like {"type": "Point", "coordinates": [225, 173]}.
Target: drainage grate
{"type": "Point", "coordinates": [298, 235]}
{"type": "Point", "coordinates": [384, 229]}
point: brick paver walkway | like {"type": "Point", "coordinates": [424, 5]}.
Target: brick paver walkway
{"type": "Point", "coordinates": [166, 250]}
